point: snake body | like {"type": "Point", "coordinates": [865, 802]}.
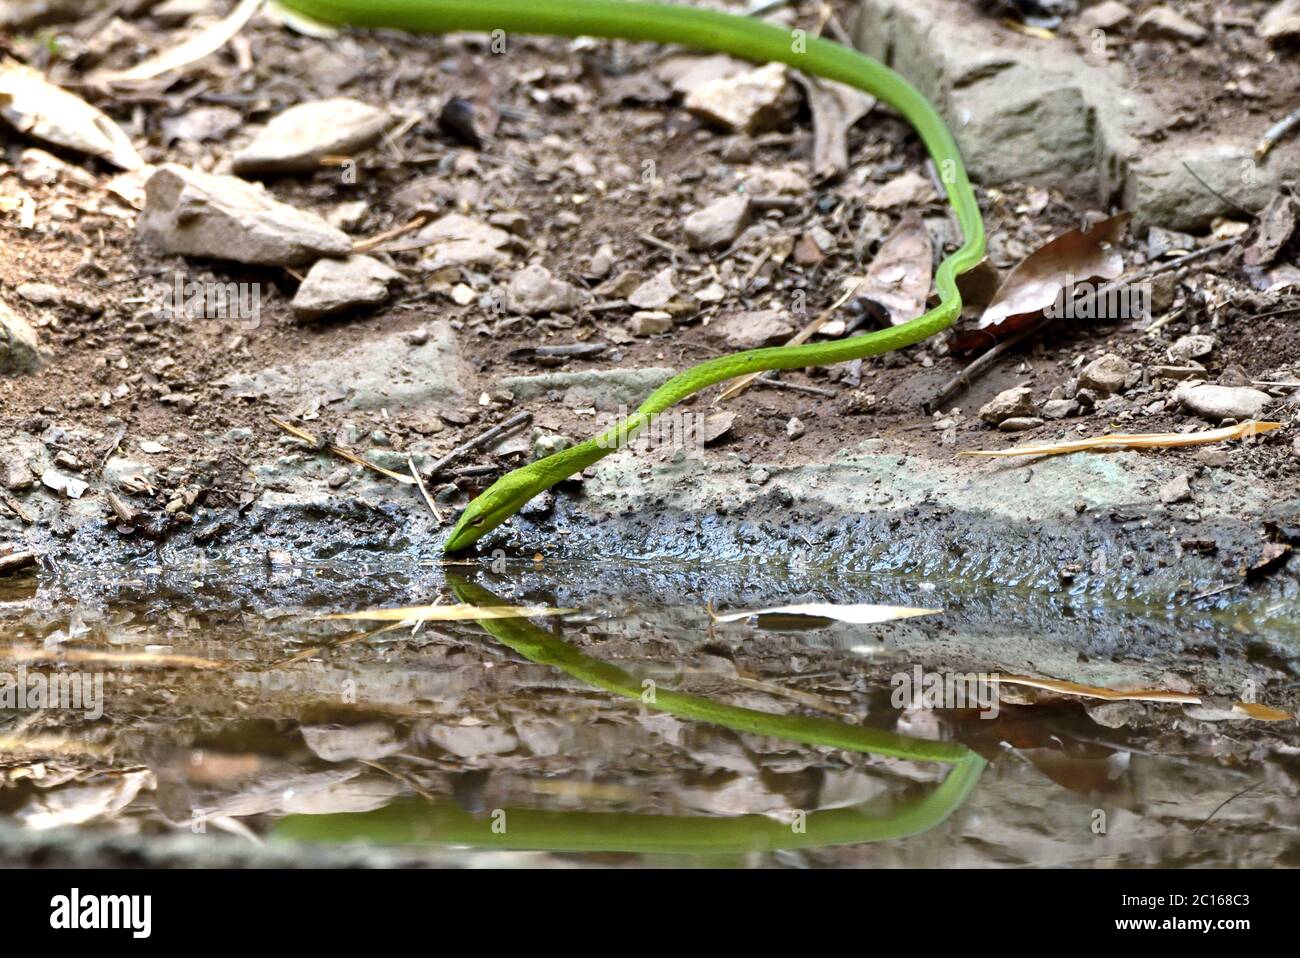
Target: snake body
{"type": "Point", "coordinates": [738, 36]}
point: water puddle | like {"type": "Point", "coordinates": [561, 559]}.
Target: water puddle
{"type": "Point", "coordinates": [225, 716]}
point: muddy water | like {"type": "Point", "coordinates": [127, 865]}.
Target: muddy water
{"type": "Point", "coordinates": [222, 720]}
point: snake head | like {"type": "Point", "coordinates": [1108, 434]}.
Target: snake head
{"type": "Point", "coordinates": [493, 506]}
{"type": "Point", "coordinates": [477, 520]}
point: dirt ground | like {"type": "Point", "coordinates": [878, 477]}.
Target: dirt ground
{"type": "Point", "coordinates": [576, 126]}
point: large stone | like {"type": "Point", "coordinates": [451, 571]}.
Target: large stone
{"type": "Point", "coordinates": [1163, 187]}
{"type": "Point", "coordinates": [389, 372]}
{"type": "Point", "coordinates": [303, 135]}
{"type": "Point", "coordinates": [719, 223]}
{"type": "Point", "coordinates": [1216, 403]}
{"type": "Point", "coordinates": [335, 286]}
{"type": "Point", "coordinates": [606, 389]}
{"type": "Point", "coordinates": [1045, 114]}
{"type": "Point", "coordinates": [20, 350]}
{"type": "Point", "coordinates": [223, 217]}
{"type": "Point", "coordinates": [1105, 374]}
{"type": "Point", "coordinates": [533, 291]}
{"type": "Point", "coordinates": [749, 103]}
{"type": "Point", "coordinates": [749, 330]}
{"type": "Point", "coordinates": [1008, 404]}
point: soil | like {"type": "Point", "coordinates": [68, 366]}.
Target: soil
{"type": "Point", "coordinates": [561, 104]}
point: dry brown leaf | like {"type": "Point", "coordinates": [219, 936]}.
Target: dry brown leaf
{"type": "Point", "coordinates": [835, 109]}
{"type": "Point", "coordinates": [451, 613]}
{"type": "Point", "coordinates": [1097, 692]}
{"type": "Point", "coordinates": [39, 109]}
{"type": "Point", "coordinates": [1152, 440]}
{"type": "Point", "coordinates": [899, 276]}
{"type": "Point", "coordinates": [192, 50]}
{"type": "Point", "coordinates": [1041, 278]}
{"type": "Point", "coordinates": [107, 659]}
{"type": "Point", "coordinates": [1262, 713]}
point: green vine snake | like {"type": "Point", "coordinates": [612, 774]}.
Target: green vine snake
{"type": "Point", "coordinates": [419, 821]}
{"type": "Point", "coordinates": [738, 36]}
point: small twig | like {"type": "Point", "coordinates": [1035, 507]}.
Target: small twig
{"type": "Point", "coordinates": [339, 451]}
{"type": "Point", "coordinates": [652, 240]}
{"type": "Point", "coordinates": [1275, 133]}
{"type": "Point", "coordinates": [793, 387]}
{"type": "Point", "coordinates": [379, 239]}
{"type": "Point", "coordinates": [419, 484]}
{"type": "Point", "coordinates": [1218, 808]}
{"type": "Point", "coordinates": [482, 439]}
{"type": "Point", "coordinates": [741, 384]}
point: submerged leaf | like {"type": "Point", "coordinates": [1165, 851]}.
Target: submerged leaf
{"type": "Point", "coordinates": [856, 614]}
{"type": "Point", "coordinates": [1097, 692]}
{"type": "Point", "coordinates": [451, 613]}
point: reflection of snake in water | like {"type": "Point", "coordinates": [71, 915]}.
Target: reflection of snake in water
{"type": "Point", "coordinates": [418, 821]}
{"type": "Point", "coordinates": [708, 30]}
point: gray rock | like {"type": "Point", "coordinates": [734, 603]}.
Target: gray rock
{"type": "Point", "coordinates": [20, 350]}
{"type": "Point", "coordinates": [384, 372]}
{"type": "Point", "coordinates": [300, 137]}
{"type": "Point", "coordinates": [1017, 401]}
{"type": "Point", "coordinates": [470, 741]}
{"type": "Point", "coordinates": [1164, 23]}
{"type": "Point", "coordinates": [606, 389]}
{"type": "Point", "coordinates": [763, 327]}
{"type": "Point", "coordinates": [533, 291]}
{"type": "Point", "coordinates": [794, 428]}
{"type": "Point", "coordinates": [1106, 374]}
{"type": "Point", "coordinates": [14, 472]}
{"type": "Point", "coordinates": [1160, 189]}
{"type": "Point", "coordinates": [656, 292]}
{"type": "Point", "coordinates": [1192, 346]}
{"type": "Point", "coordinates": [750, 102]}
{"type": "Point", "coordinates": [1055, 117]}
{"type": "Point", "coordinates": [337, 285]}
{"type": "Point", "coordinates": [649, 322]}
{"type": "Point", "coordinates": [1059, 408]}
{"type": "Point", "coordinates": [1020, 423]}
{"type": "Point", "coordinates": [719, 223]}
{"type": "Point", "coordinates": [1178, 489]}
{"type": "Point", "coordinates": [1216, 403]}
{"type": "Point", "coordinates": [223, 217]}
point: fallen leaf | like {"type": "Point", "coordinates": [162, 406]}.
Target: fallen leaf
{"type": "Point", "coordinates": [1097, 692]}
{"type": "Point", "coordinates": [853, 613]}
{"type": "Point", "coordinates": [1272, 557]}
{"type": "Point", "coordinates": [1151, 440]}
{"type": "Point", "coordinates": [899, 276]}
{"type": "Point", "coordinates": [451, 613]}
{"type": "Point", "coordinates": [197, 47]}
{"type": "Point", "coordinates": [39, 109]}
{"type": "Point", "coordinates": [1042, 277]}
{"type": "Point", "coordinates": [1262, 713]}
{"type": "Point", "coordinates": [1282, 22]}
{"type": "Point", "coordinates": [107, 659]}
{"type": "Point", "coordinates": [835, 108]}
{"type": "Point", "coordinates": [1277, 224]}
